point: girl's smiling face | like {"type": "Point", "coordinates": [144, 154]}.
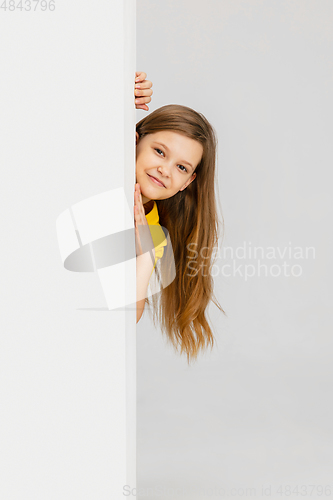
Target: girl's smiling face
{"type": "Point", "coordinates": [171, 158]}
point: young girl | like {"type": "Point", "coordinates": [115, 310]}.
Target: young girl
{"type": "Point", "coordinates": [175, 173]}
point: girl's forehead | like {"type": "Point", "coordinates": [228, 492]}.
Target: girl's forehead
{"type": "Point", "coordinates": [168, 133]}
{"type": "Point", "coordinates": [170, 138]}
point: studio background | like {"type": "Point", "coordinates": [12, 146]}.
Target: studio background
{"type": "Point", "coordinates": [257, 411]}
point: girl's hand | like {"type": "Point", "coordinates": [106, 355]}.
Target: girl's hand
{"type": "Point", "coordinates": [142, 90]}
{"type": "Point", "coordinates": [143, 238]}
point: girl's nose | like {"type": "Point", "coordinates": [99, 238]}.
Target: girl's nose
{"type": "Point", "coordinates": [165, 170]}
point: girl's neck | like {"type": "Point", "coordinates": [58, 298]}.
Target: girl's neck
{"type": "Point", "coordinates": [148, 206]}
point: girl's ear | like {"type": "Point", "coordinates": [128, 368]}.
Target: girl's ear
{"type": "Point", "coordinates": [136, 137]}
{"type": "Point", "coordinates": [188, 182]}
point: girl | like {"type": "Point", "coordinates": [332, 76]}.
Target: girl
{"type": "Point", "coordinates": [175, 173]}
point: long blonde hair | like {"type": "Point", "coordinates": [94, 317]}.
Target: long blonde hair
{"type": "Point", "coordinates": [191, 219]}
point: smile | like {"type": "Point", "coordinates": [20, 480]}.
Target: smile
{"type": "Point", "coordinates": [155, 181]}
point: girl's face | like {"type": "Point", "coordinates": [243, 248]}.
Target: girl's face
{"type": "Point", "coordinates": [171, 158]}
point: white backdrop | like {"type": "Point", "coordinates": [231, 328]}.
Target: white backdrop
{"type": "Point", "coordinates": [67, 415]}
{"type": "Point", "coordinates": [257, 412]}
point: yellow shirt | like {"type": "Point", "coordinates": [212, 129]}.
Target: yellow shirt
{"type": "Point", "coordinates": [156, 232]}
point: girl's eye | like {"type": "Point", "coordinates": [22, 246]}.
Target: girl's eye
{"type": "Point", "coordinates": [183, 167]}
{"type": "Point", "coordinates": [157, 149]}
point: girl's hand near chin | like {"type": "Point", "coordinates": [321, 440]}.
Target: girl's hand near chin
{"type": "Point", "coordinates": [142, 90]}
{"type": "Point", "coordinates": [145, 253]}
{"type": "Point", "coordinates": [143, 239]}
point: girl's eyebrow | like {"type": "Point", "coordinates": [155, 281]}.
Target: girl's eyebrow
{"type": "Point", "coordinates": [166, 147]}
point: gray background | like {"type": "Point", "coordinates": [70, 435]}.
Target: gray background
{"type": "Point", "coordinates": [256, 412]}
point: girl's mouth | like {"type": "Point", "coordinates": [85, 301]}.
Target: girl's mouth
{"type": "Point", "coordinates": [156, 181]}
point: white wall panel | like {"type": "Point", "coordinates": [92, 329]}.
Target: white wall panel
{"type": "Point", "coordinates": [67, 363]}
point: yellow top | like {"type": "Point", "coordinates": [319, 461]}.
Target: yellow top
{"type": "Point", "coordinates": [156, 232]}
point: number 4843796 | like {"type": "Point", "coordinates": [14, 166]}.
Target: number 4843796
{"type": "Point", "coordinates": [27, 5]}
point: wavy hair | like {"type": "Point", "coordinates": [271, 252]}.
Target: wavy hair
{"type": "Point", "coordinates": [191, 219]}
